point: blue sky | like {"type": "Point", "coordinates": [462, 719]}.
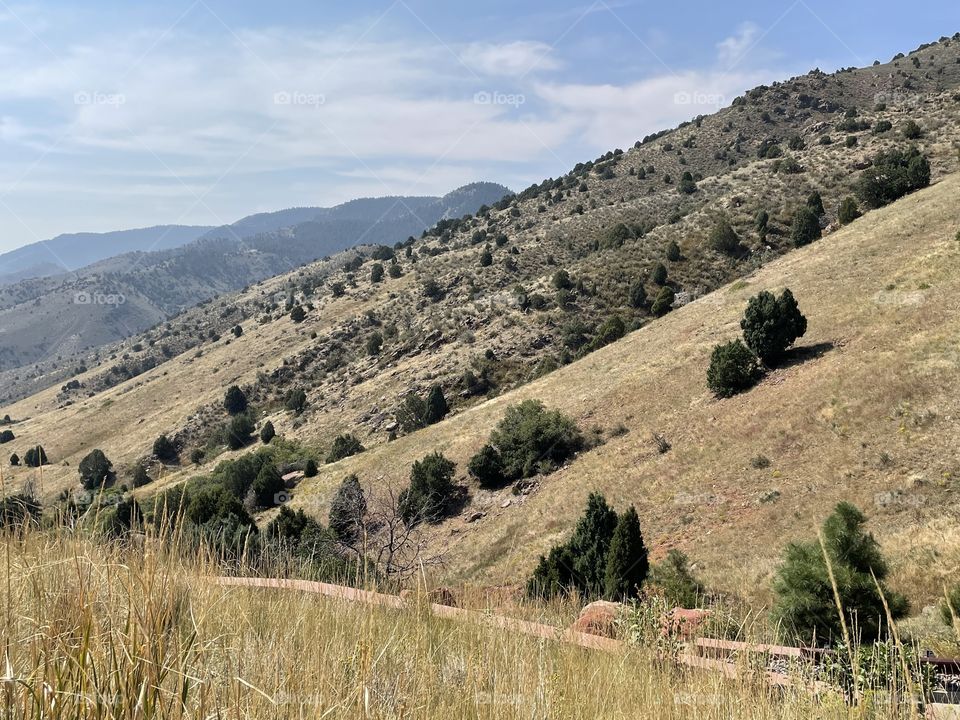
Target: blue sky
{"type": "Point", "coordinates": [128, 114]}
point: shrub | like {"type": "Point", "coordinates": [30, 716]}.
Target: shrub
{"type": "Point", "coordinates": [296, 401]}
{"type": "Point", "coordinates": [486, 467]}
{"type": "Point", "coordinates": [35, 457]}
{"type": "Point", "coordinates": [638, 295]}
{"type": "Point", "coordinates": [344, 446]}
{"type": "Point", "coordinates": [416, 412]}
{"type": "Point", "coordinates": [140, 476]}
{"type": "Point", "coordinates": [911, 130]}
{"type": "Point", "coordinates": [659, 274]}
{"type": "Point", "coordinates": [431, 290]}
{"type": "Point", "coordinates": [806, 227]}
{"type": "Point", "coordinates": [532, 439]}
{"type": "Point", "coordinates": [673, 577]}
{"type": "Point", "coordinates": [892, 175]}
{"type": "Point", "coordinates": [15, 460]}
{"type": "Point", "coordinates": [663, 303]}
{"type": "Point", "coordinates": [437, 408]}
{"type": "Point", "coordinates": [796, 143]}
{"type": "Point", "coordinates": [486, 258]}
{"type": "Point", "coordinates": [310, 469]}
{"type": "Point", "coordinates": [95, 470]}
{"type": "Point", "coordinates": [723, 238]}
{"type": "Point", "coordinates": [612, 329]}
{"type": "Point", "coordinates": [673, 251]}
{"type": "Point", "coordinates": [164, 449]}
{"type": "Point", "coordinates": [561, 280]}
{"type": "Point", "coordinates": [267, 486]}
{"type": "Point", "coordinates": [298, 314]}
{"type": "Point", "coordinates": [848, 211]}
{"type": "Point", "coordinates": [234, 401]}
{"type": "Point", "coordinates": [338, 289]}
{"type": "Point", "coordinates": [733, 369]}
{"type": "Point", "coordinates": [950, 606]}
{"type": "Point", "coordinates": [882, 126]}
{"type": "Point", "coordinates": [267, 433]}
{"type": "Point", "coordinates": [239, 432]}
{"type": "Point", "coordinates": [806, 603]}
{"type": "Point", "coordinates": [431, 490]}
{"type": "Point", "coordinates": [347, 510]}
{"type": "Point", "coordinates": [196, 457]}
{"type": "Point", "coordinates": [771, 324]}
{"type": "Point", "coordinates": [815, 203]}
{"type": "Point", "coordinates": [374, 343]}
{"type": "Point", "coordinates": [6, 436]}
{"type": "Point", "coordinates": [627, 562]}
{"type": "Point", "coordinates": [687, 185]}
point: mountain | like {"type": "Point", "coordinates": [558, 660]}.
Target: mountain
{"type": "Point", "coordinates": [46, 320]}
{"type": "Point", "coordinates": [75, 250]}
{"type": "Point", "coordinates": [541, 295]}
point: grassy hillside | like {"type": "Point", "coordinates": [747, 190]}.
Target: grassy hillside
{"type": "Point", "coordinates": [866, 409]}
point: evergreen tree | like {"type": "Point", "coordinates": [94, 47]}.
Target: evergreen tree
{"type": "Point", "coordinates": [164, 449]}
{"type": "Point", "coordinates": [848, 211]}
{"type": "Point", "coordinates": [806, 604]}
{"type": "Point", "coordinates": [627, 560]}
{"type": "Point", "coordinates": [348, 509]}
{"type": "Point", "coordinates": [376, 273]}
{"type": "Point", "coordinates": [267, 433]}
{"type": "Point", "coordinates": [815, 203]}
{"type": "Point", "coordinates": [659, 274]}
{"type": "Point", "coordinates": [673, 251]}
{"type": "Point", "coordinates": [771, 324]}
{"type": "Point", "coordinates": [553, 575]}
{"type": "Point", "coordinates": [298, 314]}
{"type": "Point", "coordinates": [95, 470]}
{"type": "Point", "coordinates": [687, 185]}
{"type": "Point", "coordinates": [532, 439]}
{"type": "Point", "coordinates": [296, 401]}
{"type": "Point", "coordinates": [15, 460]}
{"type": "Point", "coordinates": [431, 490]}
{"type": "Point", "coordinates": [589, 545]}
{"type": "Point", "coordinates": [267, 485]}
{"type": "Point", "coordinates": [733, 369]}
{"type": "Point", "coordinates": [723, 238]}
{"type": "Point", "coordinates": [437, 407]}
{"type": "Point", "coordinates": [638, 295]}
{"type": "Point", "coordinates": [486, 257]}
{"type": "Point", "coordinates": [35, 457]}
{"type": "Point", "coordinates": [140, 476]}
{"type": "Point", "coordinates": [486, 467]}
{"type": "Point", "coordinates": [344, 446]}
{"type": "Point", "coordinates": [806, 227]}
{"type": "Point", "coordinates": [663, 302]}
{"type": "Point", "coordinates": [674, 579]}
{"type": "Point", "coordinates": [235, 401]}
{"type": "Point", "coordinates": [239, 431]}
{"type": "Point", "coordinates": [6, 436]}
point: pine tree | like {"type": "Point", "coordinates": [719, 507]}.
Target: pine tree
{"type": "Point", "coordinates": [806, 602]}
{"type": "Point", "coordinates": [589, 545]}
{"type": "Point", "coordinates": [431, 490]}
{"type": "Point", "coordinates": [663, 302]}
{"type": "Point", "coordinates": [627, 560]}
{"type": "Point", "coordinates": [437, 407]}
{"type": "Point", "coordinates": [267, 433]}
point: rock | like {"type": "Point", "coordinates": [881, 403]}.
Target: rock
{"type": "Point", "coordinates": [770, 496]}
{"type": "Point", "coordinates": [682, 622]}
{"type": "Point", "coordinates": [476, 516]}
{"type": "Point", "coordinates": [506, 503]}
{"type": "Point", "coordinates": [599, 618]}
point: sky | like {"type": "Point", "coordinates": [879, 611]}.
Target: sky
{"type": "Point", "coordinates": [129, 114]}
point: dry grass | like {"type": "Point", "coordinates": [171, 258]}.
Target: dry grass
{"type": "Point", "coordinates": [111, 632]}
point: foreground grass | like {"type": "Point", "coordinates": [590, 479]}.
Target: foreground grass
{"type": "Point", "coordinates": [93, 631]}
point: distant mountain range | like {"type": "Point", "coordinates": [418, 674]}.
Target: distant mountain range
{"type": "Point", "coordinates": [52, 306]}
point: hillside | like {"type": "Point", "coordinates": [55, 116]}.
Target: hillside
{"type": "Point", "coordinates": [476, 306]}
{"type": "Point", "coordinates": [53, 323]}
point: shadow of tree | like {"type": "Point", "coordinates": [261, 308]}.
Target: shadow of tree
{"type": "Point", "coordinates": [804, 353]}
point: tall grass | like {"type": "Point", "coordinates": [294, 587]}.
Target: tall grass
{"type": "Point", "coordinates": [137, 630]}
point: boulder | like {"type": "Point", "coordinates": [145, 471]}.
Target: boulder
{"type": "Point", "coordinates": [599, 618]}
{"type": "Point", "coordinates": [683, 623]}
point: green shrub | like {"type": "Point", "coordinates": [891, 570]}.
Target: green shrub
{"type": "Point", "coordinates": [164, 449]}
{"type": "Point", "coordinates": [298, 314]}
{"type": "Point", "coordinates": [723, 238]}
{"type": "Point", "coordinates": [663, 303]}
{"type": "Point", "coordinates": [376, 273]}
{"type": "Point", "coordinates": [296, 401]}
{"type": "Point", "coordinates": [806, 604]}
{"type": "Point", "coordinates": [893, 174]}
{"type": "Point", "coordinates": [673, 251]}
{"type": "Point", "coordinates": [950, 606]}
{"type": "Point", "coordinates": [431, 490]}
{"type": "Point", "coordinates": [771, 324]}
{"type": "Point", "coordinates": [6, 436]}
{"type": "Point", "coordinates": [911, 130]}
{"type": "Point", "coordinates": [638, 295]}
{"type": "Point", "coordinates": [806, 227]}
{"type": "Point", "coordinates": [15, 460]}
{"type": "Point", "coordinates": [733, 369]}
{"type": "Point", "coordinates": [416, 412]}
{"type": "Point", "coordinates": [673, 577]}
{"type": "Point", "coordinates": [815, 203]}
{"type": "Point", "coordinates": [374, 343]}
{"type": "Point", "coordinates": [848, 211]}
{"type": "Point", "coordinates": [239, 432]}
{"type": "Point", "coordinates": [35, 457]}
{"type": "Point", "coordinates": [310, 469]}
{"type": "Point", "coordinates": [267, 433]}
{"type": "Point", "coordinates": [486, 257]}
{"type": "Point", "coordinates": [612, 329]}
{"type": "Point", "coordinates": [687, 185]}
{"type": "Point", "coordinates": [659, 274]}
{"type": "Point", "coordinates": [344, 446]}
{"type": "Point", "coordinates": [140, 476]}
{"type": "Point", "coordinates": [561, 280]}
{"type": "Point", "coordinates": [532, 440]}
{"type": "Point", "coordinates": [235, 401]}
{"type": "Point", "coordinates": [348, 510]}
{"type": "Point", "coordinates": [268, 486]}
{"type": "Point", "coordinates": [95, 470]}
{"type": "Point", "coordinates": [486, 467]}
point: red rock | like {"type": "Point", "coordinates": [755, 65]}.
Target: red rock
{"type": "Point", "coordinates": [599, 618]}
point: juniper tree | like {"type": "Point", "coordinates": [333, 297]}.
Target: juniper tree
{"type": "Point", "coordinates": [95, 470]}
{"type": "Point", "coordinates": [806, 227]}
{"type": "Point", "coordinates": [347, 510]}
{"type": "Point", "coordinates": [235, 401]}
{"type": "Point", "coordinates": [723, 238]}
{"type": "Point", "coordinates": [431, 490]}
{"type": "Point", "coordinates": [627, 559]}
{"type": "Point", "coordinates": [267, 433]}
{"type": "Point", "coordinates": [733, 369]}
{"type": "Point", "coordinates": [771, 324]}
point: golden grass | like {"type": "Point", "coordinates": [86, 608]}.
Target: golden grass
{"type": "Point", "coordinates": [134, 632]}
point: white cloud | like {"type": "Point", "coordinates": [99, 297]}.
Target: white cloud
{"type": "Point", "coordinates": [731, 50]}
{"type": "Point", "coordinates": [511, 59]}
